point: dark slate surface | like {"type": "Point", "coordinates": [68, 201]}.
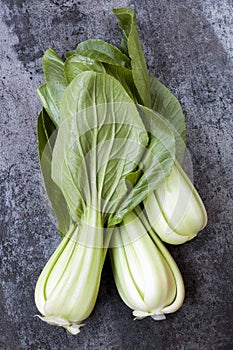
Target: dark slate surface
{"type": "Point", "coordinates": [188, 45]}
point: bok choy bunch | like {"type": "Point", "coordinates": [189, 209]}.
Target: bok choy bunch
{"type": "Point", "coordinates": [110, 139]}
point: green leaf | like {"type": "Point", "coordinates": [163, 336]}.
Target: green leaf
{"type": "Point", "coordinates": [131, 45]}
{"type": "Point", "coordinates": [46, 136]}
{"type": "Point", "coordinates": [101, 51]}
{"type": "Point", "coordinates": [165, 103]}
{"type": "Point", "coordinates": [100, 142]}
{"type": "Point", "coordinates": [133, 177]}
{"type": "Point", "coordinates": [77, 64]}
{"type": "Point", "coordinates": [155, 165]}
{"type": "Point", "coordinates": [125, 77]}
{"type": "Point", "coordinates": [48, 103]}
{"type": "Point", "coordinates": [53, 67]}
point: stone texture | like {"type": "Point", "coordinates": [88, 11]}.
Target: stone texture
{"type": "Point", "coordinates": [188, 45]}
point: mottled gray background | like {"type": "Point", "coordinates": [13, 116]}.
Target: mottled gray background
{"type": "Point", "coordinates": [188, 45]}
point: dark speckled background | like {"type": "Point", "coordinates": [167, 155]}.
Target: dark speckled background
{"type": "Point", "coordinates": [189, 46]}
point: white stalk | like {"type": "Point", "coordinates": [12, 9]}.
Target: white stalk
{"type": "Point", "coordinates": [175, 210]}
{"type": "Point", "coordinates": [67, 288]}
{"type": "Point", "coordinates": [146, 276]}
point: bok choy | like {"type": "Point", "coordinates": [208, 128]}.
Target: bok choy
{"type": "Point", "coordinates": [147, 277]}
{"type": "Point", "coordinates": [110, 139]}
